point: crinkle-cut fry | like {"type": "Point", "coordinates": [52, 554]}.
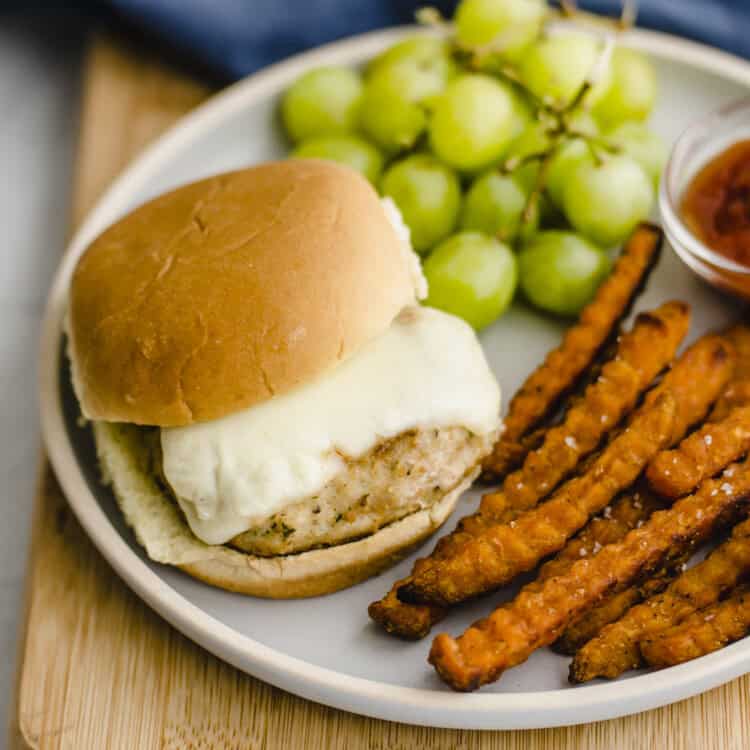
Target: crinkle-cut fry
{"type": "Point", "coordinates": [498, 554]}
{"type": "Point", "coordinates": [538, 615]}
{"type": "Point", "coordinates": [697, 379]}
{"type": "Point", "coordinates": [675, 473]}
{"type": "Point", "coordinates": [563, 367]}
{"type": "Point", "coordinates": [628, 512]}
{"type": "Point", "coordinates": [507, 455]}
{"type": "Point", "coordinates": [615, 649]}
{"type": "Point", "coordinates": [737, 392]}
{"type": "Point", "coordinates": [738, 336]}
{"type": "Point", "coordinates": [641, 355]}
{"type": "Point", "coordinates": [613, 607]}
{"type": "Point", "coordinates": [701, 633]}
{"type": "Point", "coordinates": [411, 621]}
{"type": "Point", "coordinates": [625, 514]}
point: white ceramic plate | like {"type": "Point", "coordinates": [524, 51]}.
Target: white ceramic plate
{"type": "Point", "coordinates": [325, 649]}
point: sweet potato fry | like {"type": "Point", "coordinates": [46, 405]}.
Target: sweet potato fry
{"type": "Point", "coordinates": [563, 367]}
{"type": "Point", "coordinates": [696, 381]}
{"type": "Point", "coordinates": [613, 607]}
{"type": "Point", "coordinates": [675, 473]}
{"type": "Point", "coordinates": [630, 511]}
{"type": "Point", "coordinates": [538, 615]}
{"type": "Point", "coordinates": [701, 633]}
{"type": "Point", "coordinates": [495, 556]}
{"type": "Point", "coordinates": [625, 514]}
{"type": "Point", "coordinates": [615, 649]}
{"type": "Point", "coordinates": [739, 337]}
{"type": "Point", "coordinates": [737, 392]}
{"type": "Point", "coordinates": [641, 355]}
{"type": "Point", "coordinates": [410, 621]}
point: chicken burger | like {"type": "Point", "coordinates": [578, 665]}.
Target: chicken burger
{"type": "Point", "coordinates": [275, 412]}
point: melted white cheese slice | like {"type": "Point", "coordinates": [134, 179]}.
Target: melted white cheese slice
{"type": "Point", "coordinates": [426, 370]}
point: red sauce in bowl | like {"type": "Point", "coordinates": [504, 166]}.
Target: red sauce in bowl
{"type": "Point", "coordinates": [716, 204]}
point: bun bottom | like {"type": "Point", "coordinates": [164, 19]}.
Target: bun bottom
{"type": "Point", "coordinates": [159, 526]}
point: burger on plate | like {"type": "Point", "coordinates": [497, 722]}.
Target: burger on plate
{"type": "Point", "coordinates": [275, 412]}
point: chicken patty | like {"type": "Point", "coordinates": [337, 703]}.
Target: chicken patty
{"type": "Point", "coordinates": [405, 474]}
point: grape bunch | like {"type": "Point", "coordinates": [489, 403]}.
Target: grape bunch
{"type": "Point", "coordinates": [518, 154]}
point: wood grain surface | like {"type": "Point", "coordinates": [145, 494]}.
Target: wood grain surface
{"type": "Point", "coordinates": [100, 670]}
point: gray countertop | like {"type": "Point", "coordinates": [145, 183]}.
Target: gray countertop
{"type": "Point", "coordinates": [40, 65]}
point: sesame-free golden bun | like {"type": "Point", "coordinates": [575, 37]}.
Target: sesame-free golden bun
{"type": "Point", "coordinates": [225, 292]}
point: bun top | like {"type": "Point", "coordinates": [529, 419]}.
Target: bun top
{"type": "Point", "coordinates": [228, 291]}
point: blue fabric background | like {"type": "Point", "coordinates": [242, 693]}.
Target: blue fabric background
{"type": "Point", "coordinates": [236, 37]}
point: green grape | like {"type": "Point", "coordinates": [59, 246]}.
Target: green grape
{"type": "Point", "coordinates": [523, 113]}
{"type": "Point", "coordinates": [556, 67]}
{"type": "Point", "coordinates": [345, 149]}
{"type": "Point", "coordinates": [494, 205]}
{"type": "Point", "coordinates": [323, 101]}
{"type": "Point", "coordinates": [631, 92]}
{"type": "Point", "coordinates": [568, 156]}
{"type": "Point", "coordinates": [534, 139]}
{"type": "Point", "coordinates": [428, 195]}
{"type": "Point", "coordinates": [643, 145]}
{"type": "Point", "coordinates": [509, 25]}
{"type": "Point", "coordinates": [560, 271]}
{"type": "Point", "coordinates": [411, 73]}
{"type": "Point", "coordinates": [473, 276]}
{"type": "Point", "coordinates": [605, 201]}
{"type": "Point", "coordinates": [473, 122]}
{"type": "Point", "coordinates": [423, 49]}
{"type": "Point", "coordinates": [391, 121]}
{"type": "Point", "coordinates": [527, 175]}
{"type": "Point", "coordinates": [415, 69]}
{"type": "Point", "coordinates": [565, 161]}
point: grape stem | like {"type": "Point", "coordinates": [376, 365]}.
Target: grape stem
{"type": "Point", "coordinates": [511, 75]}
{"type": "Point", "coordinates": [595, 75]}
{"type": "Point", "coordinates": [598, 142]}
{"type": "Point", "coordinates": [559, 129]}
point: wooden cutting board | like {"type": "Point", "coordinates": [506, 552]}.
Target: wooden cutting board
{"type": "Point", "coordinates": [101, 670]}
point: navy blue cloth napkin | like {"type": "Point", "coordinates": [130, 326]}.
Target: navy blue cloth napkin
{"type": "Point", "coordinates": [236, 37]}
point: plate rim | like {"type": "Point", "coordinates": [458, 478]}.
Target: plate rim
{"type": "Point", "coordinates": [522, 710]}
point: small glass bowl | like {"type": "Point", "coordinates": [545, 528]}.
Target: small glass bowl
{"type": "Point", "coordinates": [701, 142]}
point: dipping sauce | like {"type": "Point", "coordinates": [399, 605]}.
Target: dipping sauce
{"type": "Point", "coordinates": [716, 204]}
